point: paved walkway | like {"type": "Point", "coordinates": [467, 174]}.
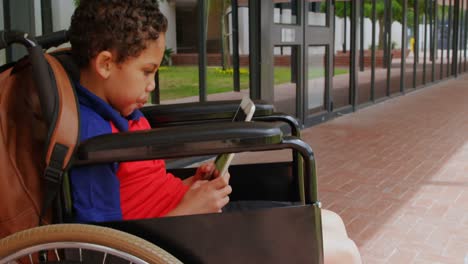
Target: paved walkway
{"type": "Point", "coordinates": [397, 172]}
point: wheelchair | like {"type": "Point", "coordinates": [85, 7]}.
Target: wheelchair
{"type": "Point", "coordinates": [289, 234]}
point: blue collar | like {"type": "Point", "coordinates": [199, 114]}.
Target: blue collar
{"type": "Point", "coordinates": [106, 111]}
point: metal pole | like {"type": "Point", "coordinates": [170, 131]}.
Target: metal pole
{"type": "Point", "coordinates": [460, 35]}
{"type": "Point", "coordinates": [465, 30]}
{"type": "Point", "coordinates": [156, 94]}
{"type": "Point", "coordinates": [354, 46]}
{"type": "Point", "coordinates": [389, 44]}
{"type": "Point", "coordinates": [202, 61]}
{"type": "Point", "coordinates": [434, 39]}
{"type": "Point", "coordinates": [416, 42]}
{"type": "Point", "coordinates": [235, 45]}
{"type": "Point", "coordinates": [361, 36]}
{"type": "Point", "coordinates": [46, 10]}
{"type": "Point", "coordinates": [345, 25]}
{"type": "Point", "coordinates": [449, 36]}
{"type": "Point", "coordinates": [374, 16]}
{"type": "Point", "coordinates": [431, 31]}
{"type": "Point", "coordinates": [456, 18]}
{"type": "Point", "coordinates": [7, 26]}
{"type": "Point", "coordinates": [254, 47]}
{"type": "Point", "coordinates": [425, 40]}
{"type": "Point", "coordinates": [442, 38]}
{"type": "Point", "coordinates": [403, 47]}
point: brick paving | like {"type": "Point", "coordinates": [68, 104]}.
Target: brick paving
{"type": "Point", "coordinates": [397, 172]}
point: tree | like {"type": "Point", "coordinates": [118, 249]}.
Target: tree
{"type": "Point", "coordinates": [397, 13]}
{"type": "Point", "coordinates": [218, 13]}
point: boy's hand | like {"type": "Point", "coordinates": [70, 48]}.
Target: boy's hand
{"type": "Point", "coordinates": [204, 197]}
{"type": "Point", "coordinates": [206, 171]}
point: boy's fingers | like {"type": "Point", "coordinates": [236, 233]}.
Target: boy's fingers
{"type": "Point", "coordinates": [208, 167]}
{"type": "Point", "coordinates": [198, 183]}
{"type": "Point", "coordinates": [226, 190]}
{"type": "Point", "coordinates": [215, 174]}
{"type": "Point", "coordinates": [227, 176]}
{"type": "Point", "coordinates": [220, 182]}
{"type": "Point", "coordinates": [224, 201]}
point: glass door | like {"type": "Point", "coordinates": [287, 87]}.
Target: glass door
{"type": "Point", "coordinates": [318, 66]}
{"type": "Point", "coordinates": [301, 38]}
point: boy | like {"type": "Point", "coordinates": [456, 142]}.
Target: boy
{"type": "Point", "coordinates": [119, 45]}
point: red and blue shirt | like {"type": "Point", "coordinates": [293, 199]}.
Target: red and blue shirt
{"type": "Point", "coordinates": [125, 190]}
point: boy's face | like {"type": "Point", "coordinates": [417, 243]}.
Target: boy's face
{"type": "Point", "coordinates": [130, 83]}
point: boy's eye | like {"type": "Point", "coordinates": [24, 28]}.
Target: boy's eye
{"type": "Point", "coordinates": [147, 73]}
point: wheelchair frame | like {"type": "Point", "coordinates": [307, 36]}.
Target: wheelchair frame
{"type": "Point", "coordinates": [252, 236]}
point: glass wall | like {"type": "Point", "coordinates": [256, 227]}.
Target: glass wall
{"type": "Point", "coordinates": [410, 31]}
{"type": "Point", "coordinates": [381, 62]}
{"type": "Point", "coordinates": [465, 35]}
{"type": "Point", "coordinates": [395, 44]}
{"type": "Point", "coordinates": [285, 59]}
{"type": "Point", "coordinates": [442, 38]}
{"type": "Point", "coordinates": [450, 35]}
{"type": "Point", "coordinates": [178, 77]}
{"type": "Point", "coordinates": [316, 12]}
{"type": "Point", "coordinates": [367, 48]}
{"type": "Point", "coordinates": [460, 35]}
{"type": "Point", "coordinates": [220, 71]}
{"type": "Point", "coordinates": [285, 12]}
{"type": "Point", "coordinates": [316, 60]}
{"type": "Point", "coordinates": [340, 90]}
{"type": "Point", "coordinates": [285, 78]}
{"type": "Point", "coordinates": [420, 36]}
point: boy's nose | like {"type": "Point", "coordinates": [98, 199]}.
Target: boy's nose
{"type": "Point", "coordinates": [151, 86]}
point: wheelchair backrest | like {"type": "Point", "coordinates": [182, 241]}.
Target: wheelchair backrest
{"type": "Point", "coordinates": [34, 151]}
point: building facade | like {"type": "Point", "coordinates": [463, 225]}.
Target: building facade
{"type": "Point", "coordinates": [314, 59]}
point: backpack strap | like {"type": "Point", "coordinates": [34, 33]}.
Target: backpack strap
{"type": "Point", "coordinates": [63, 136]}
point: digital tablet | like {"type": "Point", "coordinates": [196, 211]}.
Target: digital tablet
{"type": "Point", "coordinates": [244, 113]}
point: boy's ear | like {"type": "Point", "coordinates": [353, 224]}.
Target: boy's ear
{"type": "Point", "coordinates": [103, 63]}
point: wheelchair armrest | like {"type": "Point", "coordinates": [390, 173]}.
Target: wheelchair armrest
{"type": "Point", "coordinates": [192, 113]}
{"type": "Point", "coordinates": [197, 140]}
{"type": "Point", "coordinates": [181, 141]}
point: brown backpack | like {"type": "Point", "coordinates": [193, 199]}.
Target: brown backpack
{"type": "Point", "coordinates": [34, 152]}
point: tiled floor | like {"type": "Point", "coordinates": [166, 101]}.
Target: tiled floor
{"type": "Point", "coordinates": [397, 172]}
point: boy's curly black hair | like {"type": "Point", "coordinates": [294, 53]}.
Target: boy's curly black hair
{"type": "Point", "coordinates": [123, 26]}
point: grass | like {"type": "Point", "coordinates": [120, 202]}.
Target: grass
{"type": "Point", "coordinates": [182, 81]}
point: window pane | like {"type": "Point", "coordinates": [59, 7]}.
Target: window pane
{"type": "Point", "coordinates": [316, 79]}
{"type": "Point", "coordinates": [285, 12]}
{"type": "Point", "coordinates": [285, 79]}
{"type": "Point", "coordinates": [316, 12]}
{"type": "Point", "coordinates": [342, 57]}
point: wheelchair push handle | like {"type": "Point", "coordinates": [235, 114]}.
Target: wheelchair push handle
{"type": "Point", "coordinates": [53, 39]}
{"type": "Point", "coordinates": [9, 37]}
{"type": "Point", "coordinates": [40, 69]}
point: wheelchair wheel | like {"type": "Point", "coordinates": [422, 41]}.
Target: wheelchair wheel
{"type": "Point", "coordinates": [77, 243]}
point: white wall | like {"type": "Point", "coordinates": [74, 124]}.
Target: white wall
{"type": "Point", "coordinates": [61, 14]}
{"type": "Point", "coordinates": [168, 9]}
{"type": "Point", "coordinates": [243, 31]}
{"type": "Point", "coordinates": [396, 34]}
{"type": "Point", "coordinates": [243, 16]}
{"type": "Point", "coordinates": [37, 17]}
{"type": "Point", "coordinates": [317, 19]}
{"type": "Point", "coordinates": [339, 33]}
{"type": "Point", "coordinates": [421, 38]}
